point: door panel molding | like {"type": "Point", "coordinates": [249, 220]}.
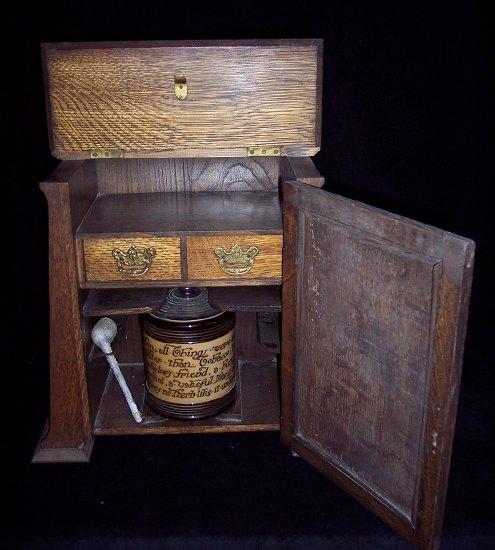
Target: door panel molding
{"type": "Point", "coordinates": [374, 318]}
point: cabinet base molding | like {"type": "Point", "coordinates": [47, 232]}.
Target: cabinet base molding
{"type": "Point", "coordinates": [49, 454]}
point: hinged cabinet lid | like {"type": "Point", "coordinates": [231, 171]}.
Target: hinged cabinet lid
{"type": "Point", "coordinates": [374, 318]}
{"type": "Point", "coordinates": [177, 99]}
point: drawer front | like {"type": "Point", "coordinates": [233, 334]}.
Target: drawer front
{"type": "Point", "coordinates": [234, 257]}
{"type": "Point", "coordinates": [132, 259]}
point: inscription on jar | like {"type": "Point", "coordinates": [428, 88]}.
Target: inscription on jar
{"type": "Point", "coordinates": [190, 373]}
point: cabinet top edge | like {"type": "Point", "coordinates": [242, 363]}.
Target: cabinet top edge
{"type": "Point", "coordinates": [318, 42]}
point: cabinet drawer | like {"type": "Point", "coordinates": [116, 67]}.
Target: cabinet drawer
{"type": "Point", "coordinates": [234, 257]}
{"type": "Point", "coordinates": [131, 259]}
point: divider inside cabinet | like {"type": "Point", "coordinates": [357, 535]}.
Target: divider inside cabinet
{"type": "Point", "coordinates": [127, 301]}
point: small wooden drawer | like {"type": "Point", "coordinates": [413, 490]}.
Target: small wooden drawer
{"type": "Point", "coordinates": [130, 259]}
{"type": "Point", "coordinates": [234, 257]}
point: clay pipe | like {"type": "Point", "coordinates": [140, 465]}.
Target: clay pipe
{"type": "Point", "coordinates": [103, 334]}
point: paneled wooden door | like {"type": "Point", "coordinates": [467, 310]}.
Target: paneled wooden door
{"type": "Point", "coordinates": [374, 311]}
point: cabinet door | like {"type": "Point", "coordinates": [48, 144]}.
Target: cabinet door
{"type": "Point", "coordinates": [374, 310]}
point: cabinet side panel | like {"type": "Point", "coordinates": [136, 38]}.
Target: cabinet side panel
{"type": "Point", "coordinates": [70, 436]}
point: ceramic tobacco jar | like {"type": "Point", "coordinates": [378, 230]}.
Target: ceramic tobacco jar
{"type": "Point", "coordinates": [188, 350]}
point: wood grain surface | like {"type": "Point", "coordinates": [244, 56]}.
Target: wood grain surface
{"type": "Point", "coordinates": [187, 174]}
{"type": "Point", "coordinates": [129, 301]}
{"type": "Point", "coordinates": [122, 97]}
{"type": "Point", "coordinates": [173, 213]}
{"type": "Point", "coordinates": [203, 264]}
{"type": "Point", "coordinates": [246, 298]}
{"type": "Point", "coordinates": [247, 342]}
{"type": "Point", "coordinates": [257, 407]}
{"type": "Point", "coordinates": [100, 265]}
{"type": "Point", "coordinates": [374, 318]}
{"type": "Point", "coordinates": [68, 437]}
{"type": "Point", "coordinates": [123, 301]}
{"type": "Point", "coordinates": [300, 169]}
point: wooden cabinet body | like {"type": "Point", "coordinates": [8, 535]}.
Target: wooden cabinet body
{"type": "Point", "coordinates": [162, 185]}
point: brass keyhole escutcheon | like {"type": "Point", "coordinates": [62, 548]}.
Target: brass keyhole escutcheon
{"type": "Point", "coordinates": [180, 86]}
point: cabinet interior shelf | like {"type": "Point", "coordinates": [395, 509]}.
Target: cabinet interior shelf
{"type": "Point", "coordinates": [128, 301]}
{"type": "Point", "coordinates": [257, 407]}
{"type": "Point", "coordinates": [176, 213]}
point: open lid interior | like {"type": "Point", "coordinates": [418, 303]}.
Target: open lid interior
{"type": "Point", "coordinates": [183, 99]}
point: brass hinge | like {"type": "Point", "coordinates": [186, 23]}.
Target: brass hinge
{"type": "Point", "coordinates": [106, 154]}
{"type": "Point", "coordinates": [264, 151]}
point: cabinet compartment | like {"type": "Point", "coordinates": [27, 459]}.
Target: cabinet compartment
{"type": "Point", "coordinates": [257, 407]}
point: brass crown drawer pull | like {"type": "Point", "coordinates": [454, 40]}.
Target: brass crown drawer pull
{"type": "Point", "coordinates": [236, 261]}
{"type": "Point", "coordinates": [134, 262]}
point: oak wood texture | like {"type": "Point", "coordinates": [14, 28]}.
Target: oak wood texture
{"type": "Point", "coordinates": [269, 330]}
{"type": "Point", "coordinates": [240, 95]}
{"type": "Point", "coordinates": [374, 318]}
{"type": "Point", "coordinates": [179, 213]}
{"type": "Point", "coordinates": [128, 347]}
{"type": "Point", "coordinates": [202, 263]}
{"type": "Point", "coordinates": [96, 377]}
{"type": "Point", "coordinates": [187, 174]}
{"type": "Point", "coordinates": [374, 305]}
{"type": "Point", "coordinates": [247, 344]}
{"type": "Point", "coordinates": [256, 409]}
{"type": "Point", "coordinates": [300, 169]}
{"type": "Point", "coordinates": [123, 301]}
{"type": "Point", "coordinates": [100, 265]}
{"type": "Point", "coordinates": [147, 219]}
{"type": "Point", "coordinates": [246, 298]}
{"type": "Point", "coordinates": [129, 301]}
{"type": "Point", "coordinates": [68, 436]}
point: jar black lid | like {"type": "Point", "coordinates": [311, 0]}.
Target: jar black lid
{"type": "Point", "coordinates": [186, 304]}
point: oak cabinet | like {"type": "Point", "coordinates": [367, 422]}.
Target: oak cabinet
{"type": "Point", "coordinates": [189, 164]}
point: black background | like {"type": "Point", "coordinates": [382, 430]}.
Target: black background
{"type": "Point", "coordinates": [405, 103]}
